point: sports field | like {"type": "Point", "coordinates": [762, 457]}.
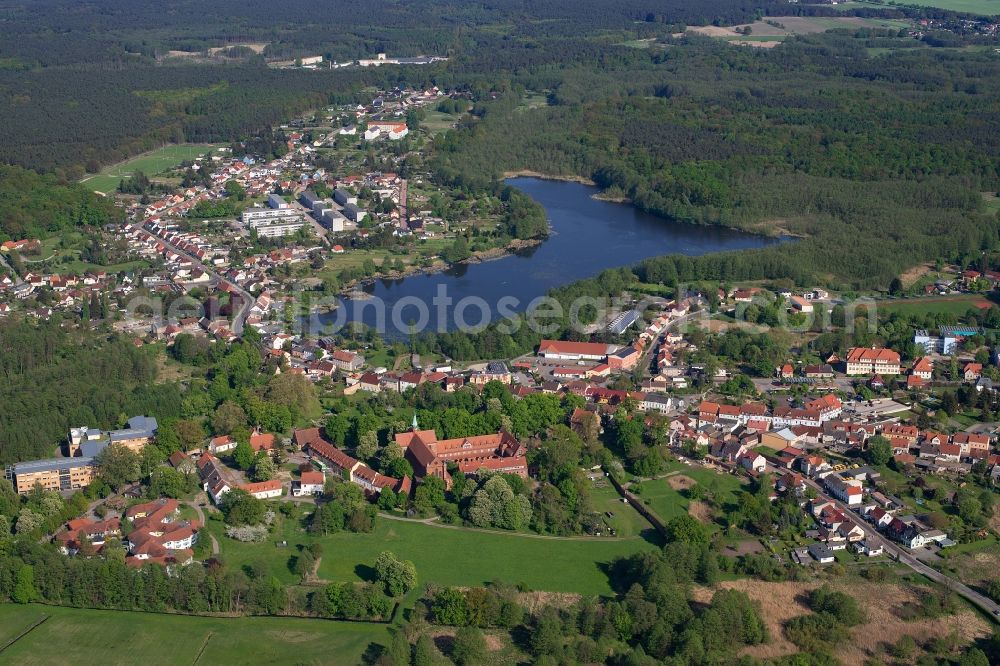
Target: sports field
{"type": "Point", "coordinates": [83, 636]}
{"type": "Point", "coordinates": [151, 164]}
{"type": "Point", "coordinates": [450, 556]}
{"type": "Point", "coordinates": [958, 304]}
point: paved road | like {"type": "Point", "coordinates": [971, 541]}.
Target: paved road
{"type": "Point", "coordinates": [201, 519]}
{"type": "Point", "coordinates": [647, 356]}
{"type": "Point", "coordinates": [240, 317]}
{"type": "Point", "coordinates": [10, 269]}
{"type": "Point", "coordinates": [906, 557]}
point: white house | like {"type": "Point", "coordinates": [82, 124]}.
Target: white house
{"type": "Point", "coordinates": [753, 462]}
{"type": "Point", "coordinates": [264, 489]}
{"type": "Point", "coordinates": [311, 483]}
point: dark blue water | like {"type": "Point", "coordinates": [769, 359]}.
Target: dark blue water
{"type": "Point", "coordinates": [588, 236]}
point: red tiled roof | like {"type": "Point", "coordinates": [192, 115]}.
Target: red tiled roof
{"type": "Point", "coordinates": [262, 441]}
{"type": "Point", "coordinates": [568, 347]}
{"type": "Point", "coordinates": [871, 355]}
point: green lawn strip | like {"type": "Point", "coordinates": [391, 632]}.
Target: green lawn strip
{"type": "Point", "coordinates": [468, 557]}
{"type": "Point", "coordinates": [116, 637]}
{"type": "Point", "coordinates": [151, 164]}
{"type": "Point", "coordinates": [15, 620]}
{"type": "Point", "coordinates": [444, 555]}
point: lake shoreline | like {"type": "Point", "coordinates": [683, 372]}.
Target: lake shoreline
{"type": "Point", "coordinates": [528, 173]}
{"type": "Point", "coordinates": [354, 291]}
{"type": "Point", "coordinates": [765, 228]}
{"type": "Point", "coordinates": [587, 235]}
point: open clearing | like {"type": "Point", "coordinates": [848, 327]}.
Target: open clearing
{"type": "Point", "coordinates": [666, 497]}
{"type": "Point", "coordinates": [151, 163]}
{"type": "Point", "coordinates": [910, 277]}
{"type": "Point", "coordinates": [112, 637]}
{"type": "Point", "coordinates": [781, 602]}
{"type": "Point", "coordinates": [448, 555]}
{"type": "Point", "coordinates": [770, 33]}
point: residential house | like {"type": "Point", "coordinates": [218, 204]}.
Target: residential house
{"type": "Point", "coordinates": [264, 489]}
{"type": "Point", "coordinates": [850, 492]}
{"type": "Point", "coordinates": [753, 462]}
{"type": "Point", "coordinates": [262, 441]}
{"type": "Point", "coordinates": [221, 444]}
{"type": "Point", "coordinates": [972, 371]}
{"type": "Point", "coordinates": [309, 483]}
{"type": "Point", "coordinates": [347, 361]}
{"type": "Point", "coordinates": [923, 368]}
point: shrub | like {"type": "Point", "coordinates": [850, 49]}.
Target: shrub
{"type": "Point", "coordinates": [248, 533]}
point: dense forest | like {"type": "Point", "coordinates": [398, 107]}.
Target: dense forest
{"type": "Point", "coordinates": [815, 139]}
{"type": "Point", "coordinates": [34, 206]}
{"type": "Point", "coordinates": [54, 380]}
{"type": "Point", "coordinates": [112, 84]}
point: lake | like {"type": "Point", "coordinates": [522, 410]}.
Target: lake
{"type": "Point", "coordinates": [588, 236]}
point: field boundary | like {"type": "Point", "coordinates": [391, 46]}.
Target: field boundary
{"type": "Point", "coordinates": [640, 508]}
{"type": "Point", "coordinates": [204, 644]}
{"type": "Point", "coordinates": [24, 633]}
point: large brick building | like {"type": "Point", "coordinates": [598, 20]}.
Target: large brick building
{"type": "Point", "coordinates": [872, 361]}
{"type": "Point", "coordinates": [499, 452]}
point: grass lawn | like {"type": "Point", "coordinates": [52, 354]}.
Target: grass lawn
{"type": "Point", "coordinates": [437, 122]}
{"type": "Point", "coordinates": [16, 619]}
{"type": "Point", "coordinates": [985, 7]}
{"type": "Point", "coordinates": [626, 522]}
{"type": "Point", "coordinates": [668, 502]}
{"type": "Point", "coordinates": [112, 637]}
{"type": "Point", "coordinates": [151, 164]}
{"type": "Point", "coordinates": [958, 304]}
{"type": "Point", "coordinates": [468, 557]}
{"type": "Point", "coordinates": [971, 547]}
{"type": "Point", "coordinates": [447, 556]}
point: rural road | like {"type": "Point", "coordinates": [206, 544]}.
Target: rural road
{"type": "Point", "coordinates": [903, 555]}
{"type": "Point", "coordinates": [646, 361]}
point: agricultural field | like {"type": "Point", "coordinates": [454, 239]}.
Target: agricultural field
{"type": "Point", "coordinates": [111, 637]}
{"type": "Point", "coordinates": [448, 555]}
{"type": "Point", "coordinates": [152, 164]}
{"type": "Point", "coordinates": [958, 304]}
{"type": "Point", "coordinates": [984, 7]}
{"type": "Point", "coordinates": [771, 32]}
